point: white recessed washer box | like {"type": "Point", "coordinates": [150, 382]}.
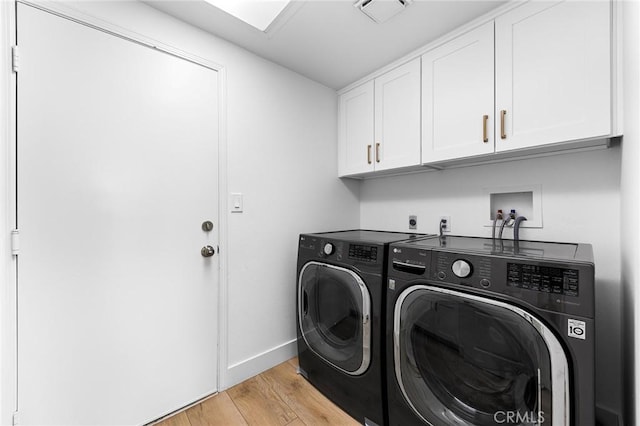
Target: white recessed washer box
{"type": "Point", "coordinates": [525, 199]}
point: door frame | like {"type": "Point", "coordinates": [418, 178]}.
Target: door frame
{"type": "Point", "coordinates": [8, 186]}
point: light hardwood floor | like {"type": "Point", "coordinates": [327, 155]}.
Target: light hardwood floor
{"type": "Point", "coordinates": [277, 397]}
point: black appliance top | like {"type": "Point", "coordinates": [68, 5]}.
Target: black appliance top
{"type": "Point", "coordinates": [367, 236]}
{"type": "Point", "coordinates": [497, 247]}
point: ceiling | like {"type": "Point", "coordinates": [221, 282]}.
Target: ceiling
{"type": "Point", "coordinates": [331, 41]}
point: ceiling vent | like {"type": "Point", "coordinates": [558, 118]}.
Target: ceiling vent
{"type": "Point", "coordinates": [382, 10]}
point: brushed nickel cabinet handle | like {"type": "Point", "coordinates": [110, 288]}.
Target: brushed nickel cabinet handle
{"type": "Point", "coordinates": [368, 154]}
{"type": "Point", "coordinates": [377, 152]}
{"type": "Point", "coordinates": [485, 138]}
{"type": "Point", "coordinates": [503, 134]}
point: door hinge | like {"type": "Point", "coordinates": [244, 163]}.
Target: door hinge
{"type": "Point", "coordinates": [15, 419]}
{"type": "Point", "coordinates": [15, 242]}
{"type": "Point", "coordinates": [15, 59]}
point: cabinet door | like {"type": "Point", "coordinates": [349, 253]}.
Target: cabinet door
{"type": "Point", "coordinates": [553, 73]}
{"type": "Point", "coordinates": [397, 117]}
{"type": "Point", "coordinates": [355, 137]}
{"type": "Point", "coordinates": [457, 97]}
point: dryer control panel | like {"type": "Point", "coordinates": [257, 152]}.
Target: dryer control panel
{"type": "Point", "coordinates": [363, 252]}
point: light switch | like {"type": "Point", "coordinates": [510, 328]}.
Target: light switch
{"type": "Point", "coordinates": [236, 202]}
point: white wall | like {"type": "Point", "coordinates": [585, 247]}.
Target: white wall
{"type": "Point", "coordinates": [580, 203]}
{"type": "Point", "coordinates": [281, 131]}
{"type": "Point", "coordinates": [290, 186]}
{"type": "Point", "coordinates": [630, 225]}
{"type": "Point", "coordinates": [281, 154]}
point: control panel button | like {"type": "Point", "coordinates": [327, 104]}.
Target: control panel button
{"type": "Point", "coordinates": [485, 283]}
{"type": "Point", "coordinates": [461, 268]}
{"type": "Point", "coordinates": [442, 275]}
{"type": "Point", "coordinates": [328, 249]}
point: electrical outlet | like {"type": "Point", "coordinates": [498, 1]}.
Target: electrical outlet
{"type": "Point", "coordinates": [447, 226]}
{"type": "Point", "coordinates": [413, 222]}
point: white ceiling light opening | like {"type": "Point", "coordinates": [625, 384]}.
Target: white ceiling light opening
{"type": "Point", "coordinates": [257, 13]}
{"type": "Point", "coordinates": [381, 10]}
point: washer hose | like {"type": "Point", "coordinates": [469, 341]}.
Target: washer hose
{"type": "Point", "coordinates": [495, 221]}
{"type": "Point", "coordinates": [504, 222]}
{"type": "Point", "coordinates": [516, 228]}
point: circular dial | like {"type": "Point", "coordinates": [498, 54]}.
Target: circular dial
{"type": "Point", "coordinates": [328, 249]}
{"type": "Point", "coordinates": [461, 268]}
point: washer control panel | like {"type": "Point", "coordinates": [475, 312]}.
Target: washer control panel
{"type": "Point", "coordinates": [458, 268]}
{"type": "Point", "coordinates": [558, 285]}
{"type": "Point", "coordinates": [543, 278]}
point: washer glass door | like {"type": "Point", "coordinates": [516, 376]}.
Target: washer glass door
{"type": "Point", "coordinates": [462, 359]}
{"type": "Point", "coordinates": [334, 311]}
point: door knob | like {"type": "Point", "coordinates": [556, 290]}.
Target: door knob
{"type": "Point", "coordinates": [207, 251]}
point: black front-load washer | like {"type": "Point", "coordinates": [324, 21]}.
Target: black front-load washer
{"type": "Point", "coordinates": [340, 322]}
{"type": "Point", "coordinates": [483, 332]}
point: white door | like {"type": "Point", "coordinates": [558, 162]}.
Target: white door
{"type": "Point", "coordinates": [553, 73]}
{"type": "Point", "coordinates": [397, 117]}
{"type": "Point", "coordinates": [355, 138]}
{"type": "Point", "coordinates": [117, 170]}
{"type": "Point", "coordinates": [457, 97]}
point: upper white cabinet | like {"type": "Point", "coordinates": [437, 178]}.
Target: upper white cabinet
{"type": "Point", "coordinates": [553, 73]}
{"type": "Point", "coordinates": [457, 97]}
{"type": "Point", "coordinates": [535, 77]}
{"type": "Point", "coordinates": [355, 131]}
{"type": "Point", "coordinates": [397, 117]}
{"type": "Point", "coordinates": [379, 123]}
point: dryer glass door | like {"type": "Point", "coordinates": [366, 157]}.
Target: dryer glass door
{"type": "Point", "coordinates": [334, 311]}
{"type": "Point", "coordinates": [462, 359]}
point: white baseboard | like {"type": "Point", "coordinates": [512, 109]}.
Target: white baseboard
{"type": "Point", "coordinates": [250, 367]}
